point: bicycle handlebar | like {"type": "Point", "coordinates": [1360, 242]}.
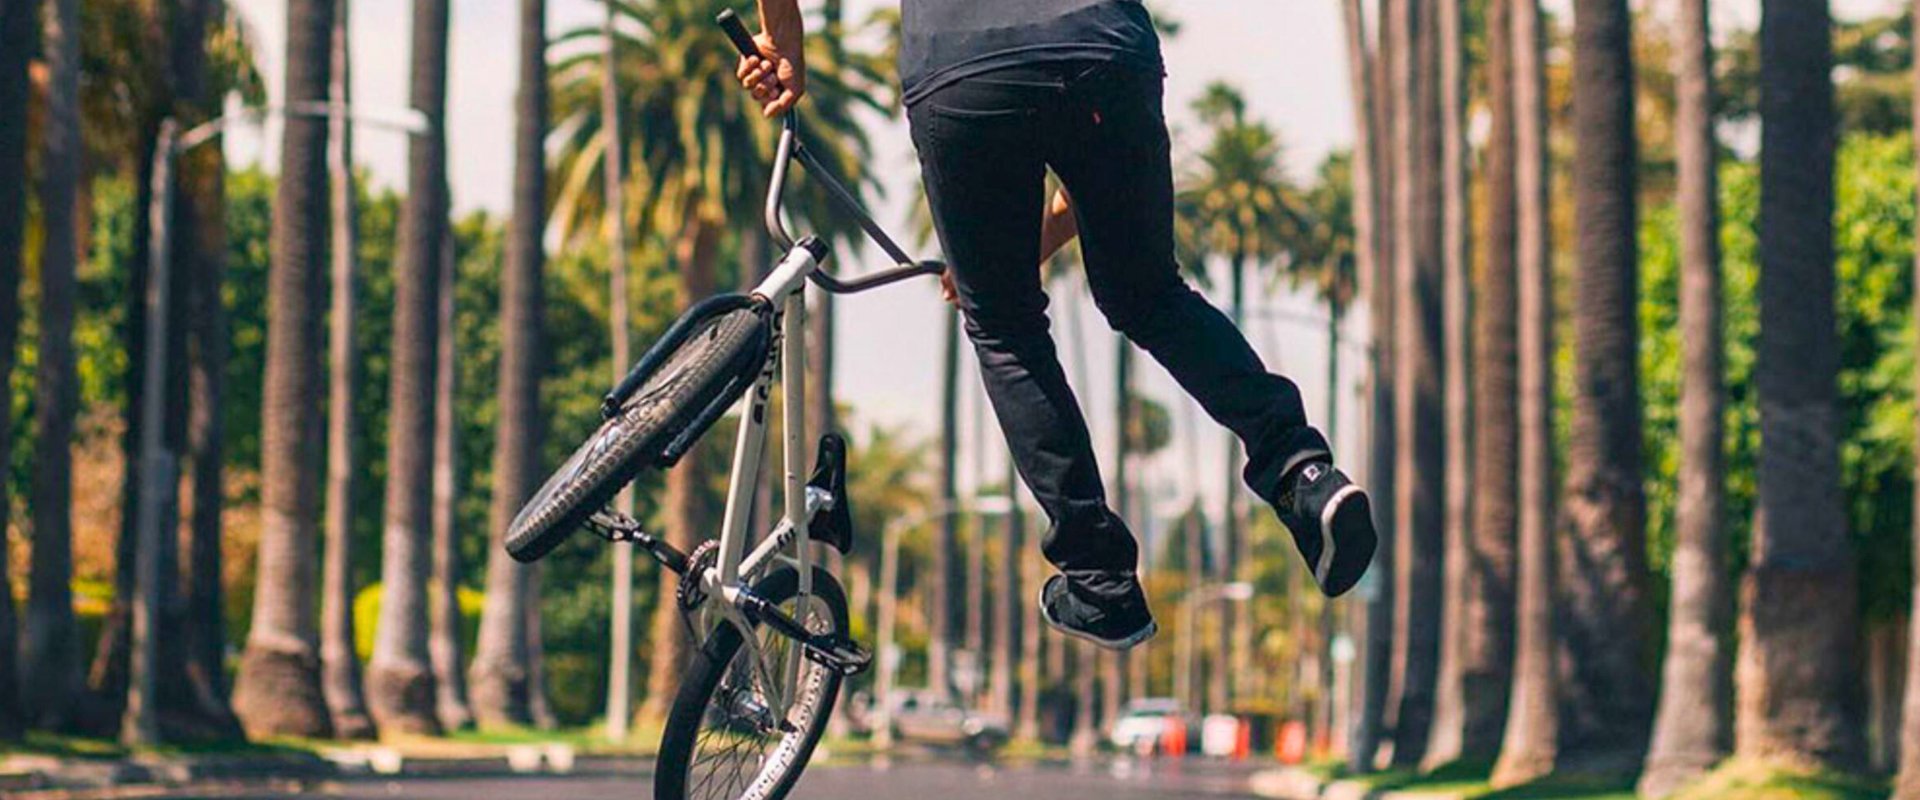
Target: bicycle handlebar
{"type": "Point", "coordinates": [791, 149]}
{"type": "Point", "coordinates": [737, 32]}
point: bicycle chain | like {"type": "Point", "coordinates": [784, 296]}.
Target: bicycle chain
{"type": "Point", "coordinates": [690, 594]}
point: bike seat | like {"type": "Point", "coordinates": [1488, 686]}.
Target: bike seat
{"type": "Point", "coordinates": [835, 527]}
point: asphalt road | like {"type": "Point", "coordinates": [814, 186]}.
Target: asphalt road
{"type": "Point", "coordinates": [1102, 780]}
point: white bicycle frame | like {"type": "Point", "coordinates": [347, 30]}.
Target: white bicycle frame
{"type": "Point", "coordinates": [731, 577]}
{"type": "Point", "coordinates": [784, 289]}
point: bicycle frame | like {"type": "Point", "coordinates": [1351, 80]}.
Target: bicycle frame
{"type": "Point", "coordinates": [784, 290]}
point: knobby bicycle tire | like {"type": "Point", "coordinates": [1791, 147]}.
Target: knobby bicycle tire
{"type": "Point", "coordinates": [626, 444]}
{"type": "Point", "coordinates": [694, 705]}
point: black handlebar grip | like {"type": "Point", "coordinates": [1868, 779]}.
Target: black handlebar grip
{"type": "Point", "coordinates": [737, 32]}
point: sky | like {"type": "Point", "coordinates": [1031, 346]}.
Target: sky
{"type": "Point", "coordinates": [1287, 56]}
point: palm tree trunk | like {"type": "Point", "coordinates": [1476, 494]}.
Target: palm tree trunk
{"type": "Point", "coordinates": [51, 654]}
{"type": "Point", "coordinates": [1371, 218]}
{"type": "Point", "coordinates": [1007, 623]}
{"type": "Point", "coordinates": [620, 662]}
{"type": "Point", "coordinates": [687, 510]}
{"type": "Point", "coordinates": [109, 674]}
{"type": "Point", "coordinates": [945, 569]}
{"type": "Point", "coordinates": [1120, 491]}
{"type": "Point", "coordinates": [191, 102]}
{"type": "Point", "coordinates": [1907, 783]}
{"type": "Point", "coordinates": [500, 679]}
{"type": "Point", "coordinates": [1481, 676]}
{"type": "Point", "coordinates": [1418, 508]}
{"type": "Point", "coordinates": [17, 28]}
{"type": "Point", "coordinates": [278, 688]}
{"type": "Point", "coordinates": [1530, 745]}
{"type": "Point", "coordinates": [1221, 689]}
{"type": "Point", "coordinates": [1609, 691]}
{"type": "Point", "coordinates": [539, 705]}
{"type": "Point", "coordinates": [975, 633]}
{"type": "Point", "coordinates": [400, 686]}
{"type": "Point", "coordinates": [1799, 692]}
{"type": "Point", "coordinates": [1032, 681]}
{"type": "Point", "coordinates": [1085, 739]}
{"type": "Point", "coordinates": [1693, 729]}
{"type": "Point", "coordinates": [205, 630]}
{"type": "Point", "coordinates": [443, 643]}
{"type": "Point", "coordinates": [340, 664]}
{"type": "Point", "coordinates": [1444, 742]}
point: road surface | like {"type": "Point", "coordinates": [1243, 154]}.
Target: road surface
{"type": "Point", "coordinates": [1102, 780]}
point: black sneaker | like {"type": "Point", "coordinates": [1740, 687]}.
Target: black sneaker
{"type": "Point", "coordinates": [1332, 523]}
{"type": "Point", "coordinates": [1115, 626]}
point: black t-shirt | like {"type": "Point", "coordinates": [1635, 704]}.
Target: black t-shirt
{"type": "Point", "coordinates": [943, 41]}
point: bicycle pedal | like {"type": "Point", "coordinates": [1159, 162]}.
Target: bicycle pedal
{"type": "Point", "coordinates": [839, 654]}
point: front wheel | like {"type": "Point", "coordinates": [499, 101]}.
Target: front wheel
{"type": "Point", "coordinates": [724, 738]}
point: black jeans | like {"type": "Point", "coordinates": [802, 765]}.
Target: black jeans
{"type": "Point", "coordinates": [985, 146]}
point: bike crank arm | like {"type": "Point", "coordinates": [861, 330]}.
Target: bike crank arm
{"type": "Point", "coordinates": [837, 653]}
{"type": "Point", "coordinates": [616, 527]}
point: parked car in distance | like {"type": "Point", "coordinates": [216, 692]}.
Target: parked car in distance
{"type": "Point", "coordinates": [929, 717]}
{"type": "Point", "coordinates": [1145, 721]}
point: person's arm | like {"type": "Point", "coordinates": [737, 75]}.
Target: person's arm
{"type": "Point", "coordinates": [778, 76]}
{"type": "Point", "coordinates": [1058, 226]}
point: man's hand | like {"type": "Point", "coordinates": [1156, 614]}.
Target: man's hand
{"type": "Point", "coordinates": [778, 76]}
{"type": "Point", "coordinates": [776, 81]}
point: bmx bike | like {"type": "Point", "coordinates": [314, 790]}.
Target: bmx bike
{"type": "Point", "coordinates": [772, 629]}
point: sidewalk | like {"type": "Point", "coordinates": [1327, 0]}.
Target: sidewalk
{"type": "Point", "coordinates": [1293, 783]}
{"type": "Point", "coordinates": [24, 775]}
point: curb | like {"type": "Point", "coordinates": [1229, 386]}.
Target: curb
{"type": "Point", "coordinates": [26, 773]}
{"type": "Point", "coordinates": [1298, 784]}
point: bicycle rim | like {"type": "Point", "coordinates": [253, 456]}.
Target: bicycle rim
{"type": "Point", "coordinates": [739, 750]}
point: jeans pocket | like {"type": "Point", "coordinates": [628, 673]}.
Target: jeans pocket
{"type": "Point", "coordinates": [977, 114]}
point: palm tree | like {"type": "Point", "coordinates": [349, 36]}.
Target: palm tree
{"type": "Point", "coordinates": [501, 678]}
{"type": "Point", "coordinates": [1907, 783]}
{"type": "Point", "coordinates": [400, 675]}
{"type": "Point", "coordinates": [1799, 693]}
{"type": "Point", "coordinates": [1010, 627]}
{"type": "Point", "coordinates": [446, 624]}
{"type": "Point", "coordinates": [1237, 204]}
{"type": "Point", "coordinates": [17, 23]}
{"type": "Point", "coordinates": [1449, 711]}
{"type": "Point", "coordinates": [1371, 212]}
{"type": "Point", "coordinates": [52, 648]}
{"type": "Point", "coordinates": [1609, 691]}
{"type": "Point", "coordinates": [620, 669]}
{"type": "Point", "coordinates": [340, 664]}
{"type": "Point", "coordinates": [1529, 746]}
{"type": "Point", "coordinates": [1118, 666]}
{"type": "Point", "coordinates": [945, 568]}
{"type": "Point", "coordinates": [1483, 669]}
{"type": "Point", "coordinates": [1693, 728]}
{"type": "Point", "coordinates": [278, 688]}
{"type": "Point", "coordinates": [205, 631]}
{"type": "Point", "coordinates": [1418, 409]}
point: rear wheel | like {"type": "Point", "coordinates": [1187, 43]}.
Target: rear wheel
{"type": "Point", "coordinates": [723, 739]}
{"type": "Point", "coordinates": [625, 445]}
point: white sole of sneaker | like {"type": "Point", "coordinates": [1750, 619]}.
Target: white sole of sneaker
{"type": "Point", "coordinates": [1134, 640]}
{"type": "Point", "coordinates": [1327, 541]}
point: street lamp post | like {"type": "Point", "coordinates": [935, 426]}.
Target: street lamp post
{"type": "Point", "coordinates": [158, 463]}
{"type": "Point", "coordinates": [889, 600]}
{"type": "Point", "coordinates": [1237, 592]}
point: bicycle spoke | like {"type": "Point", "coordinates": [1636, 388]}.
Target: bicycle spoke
{"type": "Point", "coordinates": [745, 741]}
